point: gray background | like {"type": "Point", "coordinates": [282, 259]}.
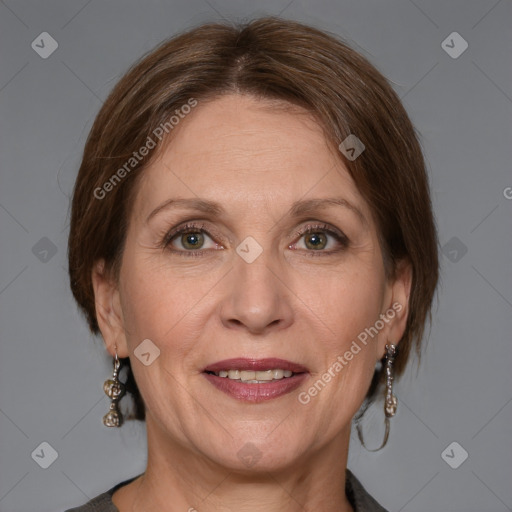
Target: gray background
{"type": "Point", "coordinates": [52, 370]}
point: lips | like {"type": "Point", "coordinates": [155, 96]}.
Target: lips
{"type": "Point", "coordinates": [255, 365]}
{"type": "Point", "coordinates": [255, 391]}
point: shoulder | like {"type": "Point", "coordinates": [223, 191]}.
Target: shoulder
{"type": "Point", "coordinates": [359, 498]}
{"type": "Point", "coordinates": [102, 502]}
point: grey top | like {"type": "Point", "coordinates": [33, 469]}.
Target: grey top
{"type": "Point", "coordinates": [360, 500]}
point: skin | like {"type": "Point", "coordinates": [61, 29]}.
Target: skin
{"type": "Point", "coordinates": [294, 302]}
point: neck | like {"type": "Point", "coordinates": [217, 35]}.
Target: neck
{"type": "Point", "coordinates": [178, 479]}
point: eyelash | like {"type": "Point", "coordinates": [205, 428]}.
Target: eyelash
{"type": "Point", "coordinates": [199, 228]}
{"type": "Point", "coordinates": [187, 228]}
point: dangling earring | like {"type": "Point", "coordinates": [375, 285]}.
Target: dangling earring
{"type": "Point", "coordinates": [114, 389]}
{"type": "Point", "coordinates": [390, 401]}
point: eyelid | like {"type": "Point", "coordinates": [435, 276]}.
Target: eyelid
{"type": "Point", "coordinates": [311, 227]}
{"type": "Point", "coordinates": [314, 227]}
{"type": "Point", "coordinates": [199, 226]}
{"type": "Point", "coordinates": [187, 226]}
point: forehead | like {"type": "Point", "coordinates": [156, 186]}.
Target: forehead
{"type": "Point", "coordinates": [239, 149]}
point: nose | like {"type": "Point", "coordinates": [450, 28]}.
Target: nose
{"type": "Point", "coordinates": [257, 299]}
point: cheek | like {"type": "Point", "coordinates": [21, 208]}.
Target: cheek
{"type": "Point", "coordinates": [346, 302]}
{"type": "Point", "coordinates": [166, 307]}
{"type": "Point", "coordinates": [350, 305]}
{"type": "Point", "coordinates": [155, 309]}
{"type": "Point", "coordinates": [153, 299]}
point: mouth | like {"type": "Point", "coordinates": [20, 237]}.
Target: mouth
{"type": "Point", "coordinates": [256, 380]}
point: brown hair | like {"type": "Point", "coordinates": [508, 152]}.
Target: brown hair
{"type": "Point", "coordinates": [268, 58]}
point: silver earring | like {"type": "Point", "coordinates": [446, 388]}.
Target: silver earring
{"type": "Point", "coordinates": [390, 400]}
{"type": "Point", "coordinates": [114, 389]}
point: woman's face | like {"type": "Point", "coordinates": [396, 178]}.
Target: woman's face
{"type": "Point", "coordinates": [279, 260]}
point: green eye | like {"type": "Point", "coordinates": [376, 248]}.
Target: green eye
{"type": "Point", "coordinates": [192, 240]}
{"type": "Point", "coordinates": [315, 241]}
{"type": "Point", "coordinates": [321, 239]}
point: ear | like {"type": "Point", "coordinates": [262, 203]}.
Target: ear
{"type": "Point", "coordinates": [396, 306]}
{"type": "Point", "coordinates": [108, 310]}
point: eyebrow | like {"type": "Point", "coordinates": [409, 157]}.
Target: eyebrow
{"type": "Point", "coordinates": [298, 209]}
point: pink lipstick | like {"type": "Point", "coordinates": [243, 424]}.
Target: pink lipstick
{"type": "Point", "coordinates": [255, 380]}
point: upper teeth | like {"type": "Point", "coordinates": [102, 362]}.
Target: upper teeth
{"type": "Point", "coordinates": [248, 376]}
